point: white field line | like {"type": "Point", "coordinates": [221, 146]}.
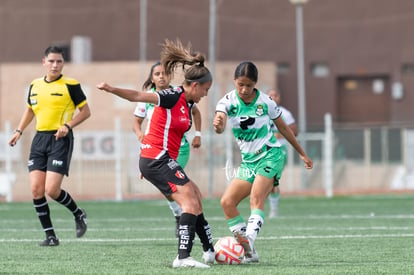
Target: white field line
{"type": "Point", "coordinates": [221, 218]}
{"type": "Point", "coordinates": [280, 227]}
{"type": "Point", "coordinates": [138, 240]}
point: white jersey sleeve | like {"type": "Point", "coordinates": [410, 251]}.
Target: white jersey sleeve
{"type": "Point", "coordinates": [287, 116]}
{"type": "Point", "coordinates": [274, 110]}
{"type": "Point", "coordinates": [141, 110]}
{"type": "Point", "coordinates": [224, 103]}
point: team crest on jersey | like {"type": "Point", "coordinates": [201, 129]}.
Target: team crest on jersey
{"type": "Point", "coordinates": [259, 110]}
{"type": "Point", "coordinates": [179, 174]}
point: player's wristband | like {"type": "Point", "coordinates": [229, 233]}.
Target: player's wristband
{"type": "Point", "coordinates": [197, 134]}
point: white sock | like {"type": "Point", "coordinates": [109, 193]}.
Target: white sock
{"type": "Point", "coordinates": [253, 227]}
{"type": "Point", "coordinates": [238, 227]}
{"type": "Point", "coordinates": [274, 201]}
{"type": "Point", "coordinates": [175, 208]}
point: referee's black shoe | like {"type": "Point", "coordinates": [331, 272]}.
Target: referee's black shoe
{"type": "Point", "coordinates": [50, 241]}
{"type": "Point", "coordinates": [81, 224]}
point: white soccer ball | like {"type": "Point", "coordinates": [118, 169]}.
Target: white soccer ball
{"type": "Point", "coordinates": [228, 251]}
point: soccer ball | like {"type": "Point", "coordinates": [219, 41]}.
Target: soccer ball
{"type": "Point", "coordinates": [228, 251]}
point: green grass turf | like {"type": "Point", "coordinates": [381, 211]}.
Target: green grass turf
{"type": "Point", "coordinates": [343, 235]}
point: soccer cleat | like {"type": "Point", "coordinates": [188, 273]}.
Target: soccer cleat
{"type": "Point", "coordinates": [81, 224]}
{"type": "Point", "coordinates": [208, 256]}
{"type": "Point", "coordinates": [244, 241]}
{"type": "Point", "coordinates": [253, 259]}
{"type": "Point", "coordinates": [50, 241]}
{"type": "Point", "coordinates": [177, 225]}
{"type": "Point", "coordinates": [188, 262]}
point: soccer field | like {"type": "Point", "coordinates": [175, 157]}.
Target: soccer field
{"type": "Point", "coordinates": [343, 235]}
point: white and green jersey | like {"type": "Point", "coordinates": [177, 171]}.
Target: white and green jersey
{"type": "Point", "coordinates": [251, 123]}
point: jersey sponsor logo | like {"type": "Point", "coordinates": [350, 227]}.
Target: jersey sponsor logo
{"type": "Point", "coordinates": [146, 146]}
{"type": "Point", "coordinates": [179, 174]}
{"type": "Point", "coordinates": [259, 110]}
{"type": "Point", "coordinates": [246, 121]}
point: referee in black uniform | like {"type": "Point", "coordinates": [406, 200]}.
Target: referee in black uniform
{"type": "Point", "coordinates": [53, 99]}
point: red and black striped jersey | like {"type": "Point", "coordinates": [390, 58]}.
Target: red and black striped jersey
{"type": "Point", "coordinates": [170, 120]}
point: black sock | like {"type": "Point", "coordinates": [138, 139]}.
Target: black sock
{"type": "Point", "coordinates": [43, 212]}
{"type": "Point", "coordinates": [66, 200]}
{"type": "Point", "coordinates": [204, 233]}
{"type": "Point", "coordinates": [186, 235]}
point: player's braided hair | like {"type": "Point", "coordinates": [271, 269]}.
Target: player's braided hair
{"type": "Point", "coordinates": [174, 54]}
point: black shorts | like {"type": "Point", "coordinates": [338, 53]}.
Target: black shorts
{"type": "Point", "coordinates": [164, 173]}
{"type": "Point", "coordinates": [49, 154]}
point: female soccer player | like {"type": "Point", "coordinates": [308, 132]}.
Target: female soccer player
{"type": "Point", "coordinates": [158, 80]}
{"type": "Point", "coordinates": [290, 121]}
{"type": "Point", "coordinates": [250, 112]}
{"type": "Point", "coordinates": [160, 146]}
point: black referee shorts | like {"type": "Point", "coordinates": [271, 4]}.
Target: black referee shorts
{"type": "Point", "coordinates": [49, 154]}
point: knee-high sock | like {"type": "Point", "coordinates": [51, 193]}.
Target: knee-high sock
{"type": "Point", "coordinates": [237, 224]}
{"type": "Point", "coordinates": [186, 234]}
{"type": "Point", "coordinates": [274, 200]}
{"type": "Point", "coordinates": [203, 231]}
{"type": "Point", "coordinates": [66, 200]}
{"type": "Point", "coordinates": [43, 212]}
{"type": "Point", "coordinates": [254, 225]}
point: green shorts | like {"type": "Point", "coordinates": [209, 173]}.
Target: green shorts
{"type": "Point", "coordinates": [283, 150]}
{"type": "Point", "coordinates": [270, 166]}
{"type": "Point", "coordinates": [184, 153]}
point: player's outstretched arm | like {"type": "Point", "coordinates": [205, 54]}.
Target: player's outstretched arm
{"type": "Point", "coordinates": [289, 136]}
{"type": "Point", "coordinates": [131, 95]}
